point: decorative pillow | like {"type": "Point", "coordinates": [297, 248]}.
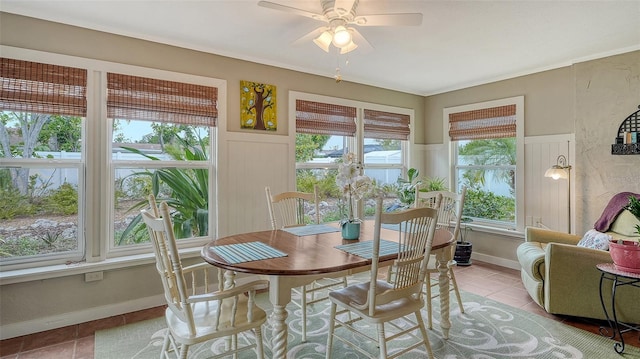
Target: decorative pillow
{"type": "Point", "coordinates": [625, 224]}
{"type": "Point", "coordinates": [595, 240]}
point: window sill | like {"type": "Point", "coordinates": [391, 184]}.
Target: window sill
{"type": "Point", "coordinates": [62, 270]}
{"type": "Point", "coordinates": [493, 230]}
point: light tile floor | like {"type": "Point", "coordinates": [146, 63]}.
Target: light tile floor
{"type": "Point", "coordinates": [77, 341]}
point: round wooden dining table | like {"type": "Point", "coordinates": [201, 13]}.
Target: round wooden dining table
{"type": "Point", "coordinates": [313, 256]}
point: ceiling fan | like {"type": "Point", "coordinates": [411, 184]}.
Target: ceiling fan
{"type": "Point", "coordinates": [339, 15]}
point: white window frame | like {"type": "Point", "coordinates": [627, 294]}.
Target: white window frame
{"type": "Point", "coordinates": [111, 249]}
{"type": "Point", "coordinates": [518, 101]}
{"type": "Point", "coordinates": [95, 228]}
{"type": "Point", "coordinates": [357, 141]}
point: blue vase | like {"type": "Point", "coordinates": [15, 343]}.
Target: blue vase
{"type": "Point", "coordinates": [351, 230]}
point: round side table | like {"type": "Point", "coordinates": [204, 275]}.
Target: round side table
{"type": "Point", "coordinates": [619, 278]}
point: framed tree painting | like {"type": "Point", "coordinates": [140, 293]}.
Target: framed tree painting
{"type": "Point", "coordinates": [258, 106]}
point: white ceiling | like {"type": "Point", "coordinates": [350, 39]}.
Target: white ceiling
{"type": "Point", "coordinates": [459, 44]}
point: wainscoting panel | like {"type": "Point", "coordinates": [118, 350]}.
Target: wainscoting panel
{"type": "Point", "coordinates": [248, 167]}
{"type": "Point", "coordinates": [437, 163]}
{"type": "Point", "coordinates": [546, 199]}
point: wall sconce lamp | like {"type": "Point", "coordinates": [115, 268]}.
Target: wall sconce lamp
{"type": "Point", "coordinates": [562, 170]}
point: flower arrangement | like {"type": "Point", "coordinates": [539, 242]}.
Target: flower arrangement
{"type": "Point", "coordinates": [354, 186]}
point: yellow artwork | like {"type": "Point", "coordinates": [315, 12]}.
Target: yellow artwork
{"type": "Point", "coordinates": [258, 106]}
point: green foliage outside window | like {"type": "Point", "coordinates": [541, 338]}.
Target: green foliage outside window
{"type": "Point", "coordinates": [60, 201]}
{"type": "Point", "coordinates": [188, 195]}
{"type": "Point", "coordinates": [13, 203]}
{"type": "Point", "coordinates": [61, 133]}
{"type": "Point", "coordinates": [307, 145]}
{"type": "Point", "coordinates": [326, 183]}
{"type": "Point", "coordinates": [479, 203]}
{"type": "Point", "coordinates": [493, 152]}
{"type": "Point", "coordinates": [63, 200]}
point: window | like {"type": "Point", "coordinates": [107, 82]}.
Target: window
{"type": "Point", "coordinates": [41, 162]}
{"type": "Point", "coordinates": [161, 139]}
{"type": "Point", "coordinates": [82, 147]}
{"type": "Point", "coordinates": [327, 128]}
{"type": "Point", "coordinates": [487, 143]}
{"type": "Point", "coordinates": [385, 137]}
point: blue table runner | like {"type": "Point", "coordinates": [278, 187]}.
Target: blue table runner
{"type": "Point", "coordinates": [311, 229]}
{"type": "Point", "coordinates": [246, 252]}
{"type": "Point", "coordinates": [365, 249]}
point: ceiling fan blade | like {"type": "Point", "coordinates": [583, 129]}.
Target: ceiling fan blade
{"type": "Point", "coordinates": [293, 10]}
{"type": "Point", "coordinates": [403, 19]}
{"type": "Point", "coordinates": [309, 36]}
{"type": "Point", "coordinates": [359, 40]}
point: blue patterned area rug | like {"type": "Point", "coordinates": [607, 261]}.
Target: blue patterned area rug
{"type": "Point", "coordinates": [487, 329]}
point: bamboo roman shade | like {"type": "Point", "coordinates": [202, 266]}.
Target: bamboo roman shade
{"type": "Point", "coordinates": [386, 125]}
{"type": "Point", "coordinates": [42, 88]}
{"type": "Point", "coordinates": [486, 123]}
{"type": "Point", "coordinates": [325, 119]}
{"type": "Point", "coordinates": [141, 98]}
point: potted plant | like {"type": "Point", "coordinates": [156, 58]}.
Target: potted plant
{"type": "Point", "coordinates": [433, 184]}
{"type": "Point", "coordinates": [625, 253]}
{"type": "Point", "coordinates": [406, 187]}
{"type": "Point", "coordinates": [464, 248]}
{"type": "Point", "coordinates": [354, 187]}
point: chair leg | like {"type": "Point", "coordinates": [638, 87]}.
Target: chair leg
{"type": "Point", "coordinates": [259, 345]}
{"type": "Point", "coordinates": [165, 346]}
{"type": "Point", "coordinates": [234, 345]}
{"type": "Point", "coordinates": [455, 289]}
{"type": "Point", "coordinates": [332, 321]}
{"type": "Point", "coordinates": [184, 350]}
{"type": "Point", "coordinates": [303, 304]}
{"type": "Point", "coordinates": [425, 337]}
{"type": "Point", "coordinates": [428, 302]}
{"type": "Point", "coordinates": [382, 341]}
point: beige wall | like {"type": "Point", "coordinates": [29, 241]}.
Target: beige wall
{"type": "Point", "coordinates": [607, 91]}
{"type": "Point", "coordinates": [548, 102]}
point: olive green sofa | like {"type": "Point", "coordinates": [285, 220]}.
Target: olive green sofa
{"type": "Point", "coordinates": [563, 279]}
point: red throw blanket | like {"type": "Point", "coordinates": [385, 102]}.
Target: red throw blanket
{"type": "Point", "coordinates": [612, 210]}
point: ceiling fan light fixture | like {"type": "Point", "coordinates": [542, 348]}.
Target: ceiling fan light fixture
{"type": "Point", "coordinates": [348, 48]}
{"type": "Point", "coordinates": [323, 41]}
{"type": "Point", "coordinates": [341, 36]}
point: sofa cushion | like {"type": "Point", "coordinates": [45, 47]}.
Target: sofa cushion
{"type": "Point", "coordinates": [595, 240]}
{"type": "Point", "coordinates": [625, 224]}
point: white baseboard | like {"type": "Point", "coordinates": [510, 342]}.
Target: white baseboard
{"type": "Point", "coordinates": [62, 320]}
{"type": "Point", "coordinates": [503, 262]}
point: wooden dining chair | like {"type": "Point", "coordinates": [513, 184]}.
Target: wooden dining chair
{"type": "Point", "coordinates": [379, 302]}
{"type": "Point", "coordinates": [196, 313]}
{"type": "Point", "coordinates": [449, 217]}
{"type": "Point", "coordinates": [286, 210]}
